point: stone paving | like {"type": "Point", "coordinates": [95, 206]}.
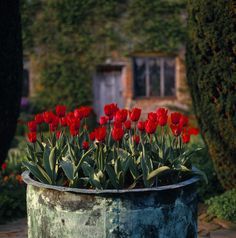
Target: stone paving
{"type": "Point", "coordinates": [208, 227]}
{"type": "Point", "coordinates": [15, 229]}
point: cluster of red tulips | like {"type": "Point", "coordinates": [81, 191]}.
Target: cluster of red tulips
{"type": "Point", "coordinates": [119, 121]}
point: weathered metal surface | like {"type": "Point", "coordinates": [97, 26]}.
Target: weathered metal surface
{"type": "Point", "coordinates": [170, 213]}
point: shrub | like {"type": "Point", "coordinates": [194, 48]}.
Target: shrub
{"type": "Point", "coordinates": [12, 196]}
{"type": "Point", "coordinates": [211, 76]}
{"type": "Point", "coordinates": [223, 206]}
{"type": "Point", "coordinates": [202, 160]}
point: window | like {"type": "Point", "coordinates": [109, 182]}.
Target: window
{"type": "Point", "coordinates": [154, 76]}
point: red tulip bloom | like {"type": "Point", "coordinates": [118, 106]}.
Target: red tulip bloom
{"type": "Point", "coordinates": [60, 110]}
{"type": "Point", "coordinates": [58, 134]}
{"type": "Point", "coordinates": [39, 118]}
{"type": "Point", "coordinates": [86, 111]}
{"type": "Point", "coordinates": [85, 145]}
{"type": "Point", "coordinates": [193, 131]}
{"type": "Point", "coordinates": [141, 125]}
{"type": "Point", "coordinates": [78, 113]}
{"type": "Point", "coordinates": [100, 134]}
{"type": "Point", "coordinates": [74, 131]}
{"type": "Point", "coordinates": [136, 139]}
{"type": "Point", "coordinates": [63, 121]}
{"type": "Point", "coordinates": [162, 112]}
{"type": "Point", "coordinates": [103, 120]}
{"type": "Point", "coordinates": [70, 118]}
{"type": "Point", "coordinates": [134, 114]}
{"type": "Point", "coordinates": [32, 126]}
{"type": "Point", "coordinates": [121, 115]}
{"type": "Point", "coordinates": [175, 117]}
{"type": "Point", "coordinates": [185, 138]}
{"type": "Point", "coordinates": [117, 134]}
{"type": "Point", "coordinates": [183, 120]}
{"type": "Point", "coordinates": [127, 124]}
{"type": "Point", "coordinates": [152, 116]}
{"type": "Point", "coordinates": [110, 110]}
{"type": "Point", "coordinates": [4, 166]}
{"type": "Point", "coordinates": [32, 137]}
{"type": "Point", "coordinates": [54, 124]}
{"type": "Point", "coordinates": [117, 124]}
{"type": "Point", "coordinates": [48, 117]}
{"type": "Point", "coordinates": [150, 127]}
{"type": "Point", "coordinates": [92, 136]}
{"type": "Point", "coordinates": [162, 120]}
{"type": "Point", "coordinates": [176, 129]}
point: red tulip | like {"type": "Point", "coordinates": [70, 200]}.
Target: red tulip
{"type": "Point", "coordinates": [86, 111]}
{"type": "Point", "coordinates": [103, 120]}
{"type": "Point", "coordinates": [162, 120]}
{"type": "Point", "coordinates": [117, 124]}
{"type": "Point", "coordinates": [32, 137]}
{"type": "Point", "coordinates": [152, 116]}
{"type": "Point", "coordinates": [70, 118]}
{"type": "Point", "coordinates": [92, 136]}
{"type": "Point", "coordinates": [127, 124]}
{"type": "Point", "coordinates": [185, 138]}
{"type": "Point", "coordinates": [121, 115]}
{"type": "Point", "coordinates": [78, 113]}
{"type": "Point", "coordinates": [54, 124]}
{"type": "Point", "coordinates": [48, 117]}
{"type": "Point", "coordinates": [100, 134]}
{"type": "Point", "coordinates": [183, 120]}
{"type": "Point", "coordinates": [63, 121]}
{"type": "Point", "coordinates": [110, 110]}
{"type": "Point", "coordinates": [176, 129]}
{"type": "Point", "coordinates": [150, 127]}
{"type": "Point", "coordinates": [74, 131]}
{"type": "Point", "coordinates": [4, 166]}
{"type": "Point", "coordinates": [32, 126]}
{"type": "Point", "coordinates": [175, 117]}
{"type": "Point", "coordinates": [58, 134]}
{"type": "Point", "coordinates": [117, 134]}
{"type": "Point", "coordinates": [141, 125]}
{"type": "Point", "coordinates": [60, 110]}
{"type": "Point", "coordinates": [134, 114]}
{"type": "Point", "coordinates": [85, 145]}
{"type": "Point", "coordinates": [39, 118]}
{"type": "Point", "coordinates": [162, 112]}
{"type": "Point", "coordinates": [193, 131]}
{"type": "Point", "coordinates": [136, 139]}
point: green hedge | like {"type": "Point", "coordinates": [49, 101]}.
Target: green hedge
{"type": "Point", "coordinates": [211, 74]}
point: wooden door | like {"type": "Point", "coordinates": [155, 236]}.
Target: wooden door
{"type": "Point", "coordinates": [107, 88]}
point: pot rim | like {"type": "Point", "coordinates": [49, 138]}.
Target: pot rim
{"type": "Point", "coordinates": [29, 181]}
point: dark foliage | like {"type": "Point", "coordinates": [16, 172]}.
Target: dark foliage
{"type": "Point", "coordinates": [10, 72]}
{"type": "Point", "coordinates": [211, 74]}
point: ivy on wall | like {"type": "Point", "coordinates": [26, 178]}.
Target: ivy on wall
{"type": "Point", "coordinates": [69, 38]}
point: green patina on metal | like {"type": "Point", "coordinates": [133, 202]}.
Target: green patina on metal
{"type": "Point", "coordinates": [167, 213]}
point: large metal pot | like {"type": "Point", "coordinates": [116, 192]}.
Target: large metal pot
{"type": "Point", "coordinates": [161, 212]}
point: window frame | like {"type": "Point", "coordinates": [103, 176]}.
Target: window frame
{"type": "Point", "coordinates": [147, 76]}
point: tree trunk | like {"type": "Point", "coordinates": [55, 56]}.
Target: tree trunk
{"type": "Point", "coordinates": [10, 72]}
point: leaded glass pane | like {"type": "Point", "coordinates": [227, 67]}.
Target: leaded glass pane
{"type": "Point", "coordinates": [154, 75]}
{"type": "Point", "coordinates": [169, 77]}
{"type": "Point", "coordinates": [139, 77]}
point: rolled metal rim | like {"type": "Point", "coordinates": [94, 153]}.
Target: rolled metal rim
{"type": "Point", "coordinates": [28, 180]}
